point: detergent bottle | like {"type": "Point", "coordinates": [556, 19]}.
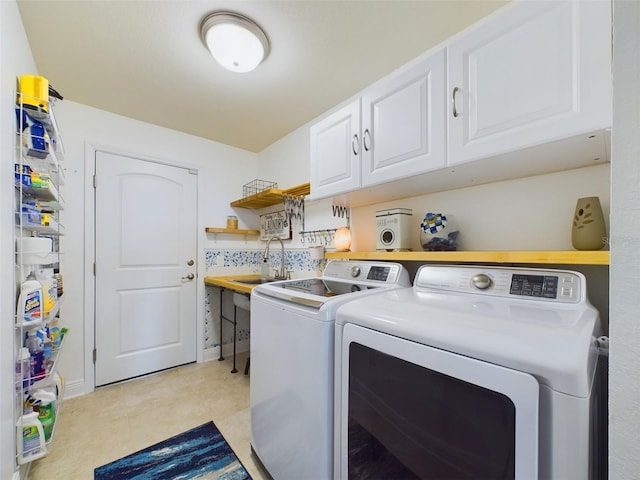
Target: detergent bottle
{"type": "Point", "coordinates": [30, 303]}
{"type": "Point", "coordinates": [30, 440]}
{"type": "Point", "coordinates": [49, 288]}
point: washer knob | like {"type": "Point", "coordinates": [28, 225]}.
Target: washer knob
{"type": "Point", "coordinates": [482, 281]}
{"type": "Point", "coordinates": [355, 271]}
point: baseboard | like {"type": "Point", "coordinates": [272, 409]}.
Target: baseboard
{"type": "Point", "coordinates": [74, 389]}
{"type": "Point", "coordinates": [227, 351]}
{"type": "Point", "coordinates": [77, 388]}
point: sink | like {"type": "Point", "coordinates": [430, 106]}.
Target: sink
{"type": "Point", "coordinates": [255, 281]}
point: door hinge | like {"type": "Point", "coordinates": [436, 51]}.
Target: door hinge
{"type": "Point", "coordinates": [95, 181]}
{"type": "Point", "coordinates": [94, 269]}
{"type": "Point", "coordinates": [95, 355]}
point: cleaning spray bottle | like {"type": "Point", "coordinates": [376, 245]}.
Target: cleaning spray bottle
{"type": "Point", "coordinates": [46, 411]}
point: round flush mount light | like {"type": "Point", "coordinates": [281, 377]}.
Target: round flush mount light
{"type": "Point", "coordinates": [235, 41]}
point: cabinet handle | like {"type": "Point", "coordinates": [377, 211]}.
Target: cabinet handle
{"type": "Point", "coordinates": [354, 144]}
{"type": "Point", "coordinates": [366, 137]}
{"type": "Point", "coordinates": [453, 102]}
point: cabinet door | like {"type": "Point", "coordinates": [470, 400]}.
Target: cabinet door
{"type": "Point", "coordinates": [403, 122]}
{"type": "Point", "coordinates": [533, 73]}
{"type": "Point", "coordinates": [335, 152]}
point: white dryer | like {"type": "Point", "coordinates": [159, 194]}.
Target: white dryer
{"type": "Point", "coordinates": [474, 372]}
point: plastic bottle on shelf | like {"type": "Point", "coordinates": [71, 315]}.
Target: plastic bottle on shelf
{"type": "Point", "coordinates": [47, 344]}
{"type": "Point", "coordinates": [54, 332]}
{"type": "Point", "coordinates": [24, 374]}
{"type": "Point", "coordinates": [30, 302]}
{"type": "Point", "coordinates": [46, 411]}
{"type": "Point", "coordinates": [59, 285]}
{"type": "Point", "coordinates": [36, 350]}
{"type": "Point", "coordinates": [49, 289]}
{"type": "Point", "coordinates": [30, 440]}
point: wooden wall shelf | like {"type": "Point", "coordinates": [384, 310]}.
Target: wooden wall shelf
{"type": "Point", "coordinates": [231, 231]}
{"type": "Point", "coordinates": [533, 257]}
{"type": "Point", "coordinates": [272, 196]}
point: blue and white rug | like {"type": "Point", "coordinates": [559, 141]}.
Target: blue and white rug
{"type": "Point", "coordinates": [199, 453]}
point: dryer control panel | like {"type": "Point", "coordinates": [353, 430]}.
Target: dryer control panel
{"type": "Point", "coordinates": [561, 286]}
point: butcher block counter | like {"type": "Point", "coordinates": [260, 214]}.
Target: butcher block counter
{"type": "Point", "coordinates": [233, 282]}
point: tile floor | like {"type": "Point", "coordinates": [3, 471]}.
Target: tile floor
{"type": "Point", "coordinates": [120, 419]}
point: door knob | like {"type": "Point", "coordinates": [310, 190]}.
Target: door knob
{"type": "Point", "coordinates": [190, 263]}
{"type": "Point", "coordinates": [191, 276]}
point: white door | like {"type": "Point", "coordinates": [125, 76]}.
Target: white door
{"type": "Point", "coordinates": [145, 230]}
{"type": "Point", "coordinates": [403, 123]}
{"type": "Point", "coordinates": [335, 152]}
{"type": "Point", "coordinates": [534, 73]}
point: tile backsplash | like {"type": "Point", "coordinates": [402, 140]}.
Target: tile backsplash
{"type": "Point", "coordinates": [244, 262]}
{"type": "Point", "coordinates": [239, 262]}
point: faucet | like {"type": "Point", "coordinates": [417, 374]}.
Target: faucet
{"type": "Point", "coordinates": [281, 275]}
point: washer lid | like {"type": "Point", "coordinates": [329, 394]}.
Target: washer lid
{"type": "Point", "coordinates": [553, 341]}
{"type": "Point", "coordinates": [316, 292]}
{"type": "Point", "coordinates": [341, 280]}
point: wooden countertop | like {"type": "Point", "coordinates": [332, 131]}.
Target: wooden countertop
{"type": "Point", "coordinates": [230, 282]}
{"type": "Point", "coordinates": [570, 257]}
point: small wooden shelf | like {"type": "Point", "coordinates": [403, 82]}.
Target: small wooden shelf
{"type": "Point", "coordinates": [539, 257]}
{"type": "Point", "coordinates": [232, 231]}
{"type": "Point", "coordinates": [272, 196]}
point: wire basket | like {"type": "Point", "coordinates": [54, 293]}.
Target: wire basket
{"type": "Point", "coordinates": [257, 186]}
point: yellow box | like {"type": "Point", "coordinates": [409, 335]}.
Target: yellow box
{"type": "Point", "coordinates": [34, 92]}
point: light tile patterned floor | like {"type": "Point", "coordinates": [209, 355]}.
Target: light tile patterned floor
{"type": "Point", "coordinates": [120, 419]}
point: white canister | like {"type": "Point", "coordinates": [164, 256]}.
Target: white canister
{"type": "Point", "coordinates": [34, 250]}
{"type": "Point", "coordinates": [316, 253]}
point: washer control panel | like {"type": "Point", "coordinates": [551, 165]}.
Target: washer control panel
{"type": "Point", "coordinates": [382, 273]}
{"type": "Point", "coordinates": [535, 284]}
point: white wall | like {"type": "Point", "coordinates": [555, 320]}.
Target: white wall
{"type": "Point", "coordinates": [15, 60]}
{"type": "Point", "coordinates": [533, 213]}
{"type": "Point", "coordinates": [287, 160]}
{"type": "Point", "coordinates": [624, 401]}
{"type": "Point", "coordinates": [221, 173]}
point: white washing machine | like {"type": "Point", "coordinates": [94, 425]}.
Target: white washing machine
{"type": "Point", "coordinates": [474, 372]}
{"type": "Point", "coordinates": [292, 363]}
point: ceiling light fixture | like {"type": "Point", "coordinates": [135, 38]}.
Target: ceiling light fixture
{"type": "Point", "coordinates": [235, 41]}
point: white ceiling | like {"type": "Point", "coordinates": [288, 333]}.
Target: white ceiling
{"type": "Point", "coordinates": [145, 59]}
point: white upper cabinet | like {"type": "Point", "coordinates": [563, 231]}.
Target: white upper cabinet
{"type": "Point", "coordinates": [335, 152]}
{"type": "Point", "coordinates": [526, 91]}
{"type": "Point", "coordinates": [395, 130]}
{"type": "Point", "coordinates": [403, 124]}
{"type": "Point", "coordinates": [536, 72]}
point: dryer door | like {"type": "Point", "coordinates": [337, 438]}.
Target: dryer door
{"type": "Point", "coordinates": [412, 411]}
